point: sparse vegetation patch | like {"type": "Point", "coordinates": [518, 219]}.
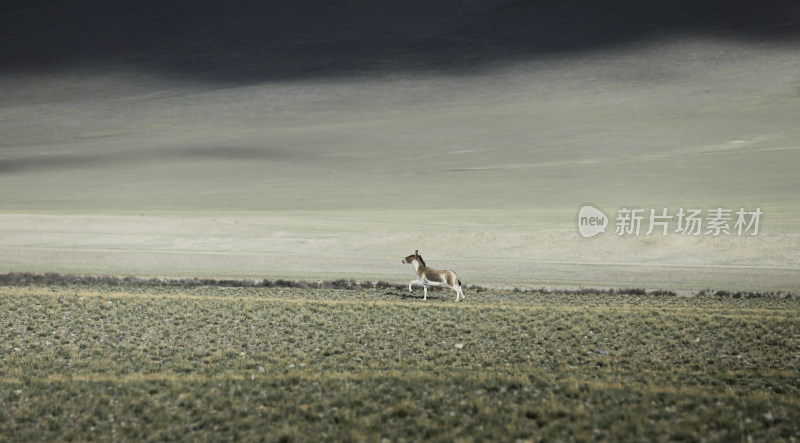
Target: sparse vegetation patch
{"type": "Point", "coordinates": [154, 363]}
{"type": "Point", "coordinates": [55, 279]}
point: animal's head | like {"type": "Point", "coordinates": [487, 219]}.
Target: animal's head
{"type": "Point", "coordinates": [415, 256]}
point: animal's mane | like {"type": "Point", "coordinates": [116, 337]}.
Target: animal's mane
{"type": "Point", "coordinates": [421, 261]}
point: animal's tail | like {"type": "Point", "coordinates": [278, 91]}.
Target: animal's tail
{"type": "Point", "coordinates": [459, 282]}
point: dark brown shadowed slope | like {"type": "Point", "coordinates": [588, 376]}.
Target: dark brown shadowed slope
{"type": "Point", "coordinates": [246, 40]}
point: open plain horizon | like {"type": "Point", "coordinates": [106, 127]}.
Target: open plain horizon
{"type": "Point", "coordinates": [317, 140]}
{"type": "Point", "coordinates": [535, 144]}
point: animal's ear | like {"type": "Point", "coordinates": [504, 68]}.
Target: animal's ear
{"type": "Point", "coordinates": [416, 251]}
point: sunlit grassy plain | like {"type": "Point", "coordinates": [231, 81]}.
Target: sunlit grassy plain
{"type": "Point", "coordinates": [241, 141]}
{"type": "Point", "coordinates": [209, 363]}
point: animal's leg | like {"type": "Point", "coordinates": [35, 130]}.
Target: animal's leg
{"type": "Point", "coordinates": [449, 286]}
{"type": "Point", "coordinates": [411, 283]}
{"type": "Point", "coordinates": [426, 292]}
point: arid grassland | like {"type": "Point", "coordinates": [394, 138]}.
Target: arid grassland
{"type": "Point", "coordinates": [221, 364]}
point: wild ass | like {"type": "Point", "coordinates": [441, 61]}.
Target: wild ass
{"type": "Point", "coordinates": [431, 277]}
